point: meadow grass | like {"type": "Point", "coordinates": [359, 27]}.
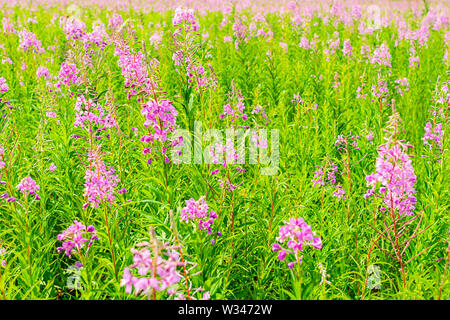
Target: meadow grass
{"type": "Point", "coordinates": [241, 263]}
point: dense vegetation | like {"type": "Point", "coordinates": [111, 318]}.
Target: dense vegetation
{"type": "Point", "coordinates": [349, 102]}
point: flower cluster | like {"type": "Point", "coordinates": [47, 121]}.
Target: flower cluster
{"type": "Point", "coordinates": [381, 56]}
{"type": "Point", "coordinates": [234, 110]}
{"type": "Point", "coordinates": [73, 28]}
{"type": "Point", "coordinates": [27, 40]}
{"type": "Point", "coordinates": [394, 178]}
{"type": "Point", "coordinates": [156, 267]}
{"type": "Point", "coordinates": [98, 36]}
{"type": "Point", "coordinates": [187, 63]}
{"type": "Point", "coordinates": [333, 45]}
{"type": "Point", "coordinates": [90, 115]}
{"type": "Point", "coordinates": [133, 69]}
{"type": "Point", "coordinates": [433, 135]}
{"type": "Point", "coordinates": [8, 27]}
{"type": "Point", "coordinates": [28, 186]}
{"type": "Point", "coordinates": [42, 72]}
{"type": "Point", "coordinates": [159, 113]}
{"type": "Point", "coordinates": [100, 180]}
{"type": "Point", "coordinates": [360, 91]}
{"type": "Point", "coordinates": [297, 99]}
{"type": "Point", "coordinates": [347, 50]}
{"type": "Point", "coordinates": [74, 238]}
{"type": "Point", "coordinates": [319, 175]}
{"type": "Point", "coordinates": [402, 86]}
{"type": "Point", "coordinates": [243, 32]}
{"type": "Point", "coordinates": [52, 167]}
{"type": "Point", "coordinates": [2, 255]}
{"type": "Point", "coordinates": [115, 21]}
{"type": "Point", "coordinates": [67, 75]}
{"type": "Point", "coordinates": [344, 142]}
{"type": "Point", "coordinates": [380, 91]}
{"type": "Point", "coordinates": [156, 39]}
{"type": "Point", "coordinates": [3, 85]}
{"type": "Point", "coordinates": [160, 119]}
{"type": "Point", "coordinates": [197, 211]}
{"type": "Point", "coordinates": [304, 43]}
{"type": "Point", "coordinates": [326, 176]}
{"type": "Point", "coordinates": [197, 77]}
{"type": "Point", "coordinates": [260, 110]}
{"type": "Point", "coordinates": [187, 18]}
{"type": "Point", "coordinates": [184, 56]}
{"type": "Point", "coordinates": [227, 155]}
{"type": "Point", "coordinates": [435, 126]}
{"type": "Point", "coordinates": [292, 238]}
{"type": "Point", "coordinates": [339, 192]}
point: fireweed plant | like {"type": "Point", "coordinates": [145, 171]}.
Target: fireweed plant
{"type": "Point", "coordinates": [392, 187]}
{"type": "Point", "coordinates": [158, 270]}
{"type": "Point", "coordinates": [293, 238]}
{"type": "Point", "coordinates": [99, 101]}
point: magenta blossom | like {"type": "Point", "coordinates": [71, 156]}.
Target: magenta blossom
{"type": "Point", "coordinates": [100, 181]}
{"type": "Point", "coordinates": [197, 211]}
{"type": "Point", "coordinates": [3, 85]}
{"type": "Point", "coordinates": [75, 237]}
{"type": "Point", "coordinates": [68, 75]}
{"type": "Point", "coordinates": [28, 186]}
{"type": "Point", "coordinates": [394, 178]}
{"type": "Point", "coordinates": [186, 17]}
{"type": "Point", "coordinates": [52, 167]}
{"type": "Point", "coordinates": [292, 238]}
{"type": "Point", "coordinates": [155, 267]}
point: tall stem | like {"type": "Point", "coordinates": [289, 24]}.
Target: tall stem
{"type": "Point", "coordinates": [110, 244]}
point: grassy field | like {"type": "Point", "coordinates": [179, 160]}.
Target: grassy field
{"type": "Point", "coordinates": [347, 103]}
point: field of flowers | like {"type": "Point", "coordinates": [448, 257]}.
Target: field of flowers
{"type": "Point", "coordinates": [212, 149]}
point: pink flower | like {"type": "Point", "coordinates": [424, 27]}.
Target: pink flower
{"type": "Point", "coordinates": [90, 115]}
{"type": "Point", "coordinates": [197, 211]}
{"type": "Point", "coordinates": [3, 85]}
{"type": "Point", "coordinates": [156, 39]}
{"type": "Point", "coordinates": [100, 181]}
{"type": "Point", "coordinates": [75, 238]}
{"type": "Point", "coordinates": [52, 167]}
{"type": "Point", "coordinates": [42, 72]}
{"type": "Point", "coordinates": [381, 56]}
{"type": "Point", "coordinates": [28, 40]}
{"type": "Point", "coordinates": [68, 75]}
{"type": "Point", "coordinates": [414, 62]}
{"type": "Point", "coordinates": [156, 270]}
{"type": "Point", "coordinates": [73, 28]}
{"type": "Point", "coordinates": [304, 43]}
{"type": "Point", "coordinates": [339, 193]}
{"type": "Point", "coordinates": [115, 21]}
{"type": "Point", "coordinates": [160, 119]}
{"type": "Point", "coordinates": [394, 176]}
{"type": "Point", "coordinates": [347, 51]}
{"type": "Point", "coordinates": [28, 186]}
{"type": "Point", "coordinates": [2, 254]}
{"type": "Point", "coordinates": [128, 280]}
{"type": "Point", "coordinates": [292, 238]}
{"type": "Point", "coordinates": [433, 136]}
{"type": "Point", "coordinates": [187, 17]}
